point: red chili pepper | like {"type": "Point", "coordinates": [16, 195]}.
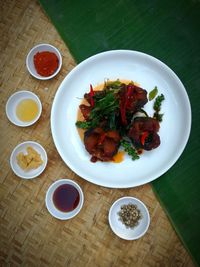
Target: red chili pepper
{"type": "Point", "coordinates": [130, 88]}
{"type": "Point", "coordinates": [128, 94]}
{"type": "Point", "coordinates": [91, 96]}
{"type": "Point", "coordinates": [124, 102]}
{"type": "Point", "coordinates": [123, 112]}
{"type": "Point", "coordinates": [143, 137]}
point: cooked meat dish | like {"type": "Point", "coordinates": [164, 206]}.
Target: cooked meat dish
{"type": "Point", "coordinates": [143, 133]}
{"type": "Point", "coordinates": [102, 145]}
{"type": "Point", "coordinates": [110, 119]}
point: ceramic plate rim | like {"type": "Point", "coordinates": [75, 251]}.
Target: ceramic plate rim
{"type": "Point", "coordinates": [95, 59]}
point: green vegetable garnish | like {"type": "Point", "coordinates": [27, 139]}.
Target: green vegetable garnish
{"type": "Point", "coordinates": [129, 149]}
{"type": "Point", "coordinates": [105, 108]}
{"type": "Point", "coordinates": [158, 102]}
{"type": "Point", "coordinates": [153, 93]}
{"type": "Point", "coordinates": [83, 124]}
{"type": "Point", "coordinates": [105, 105]}
{"type": "Point", "coordinates": [158, 116]}
{"type": "Point", "coordinates": [113, 85]}
{"type": "Point", "coordinates": [157, 107]}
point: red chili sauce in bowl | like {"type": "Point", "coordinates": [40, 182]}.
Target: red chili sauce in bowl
{"type": "Point", "coordinates": [46, 63]}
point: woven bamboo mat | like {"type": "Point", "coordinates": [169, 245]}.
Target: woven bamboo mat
{"type": "Point", "coordinates": [29, 235]}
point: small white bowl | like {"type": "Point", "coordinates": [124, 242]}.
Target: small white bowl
{"type": "Point", "coordinates": [22, 148]}
{"type": "Point", "coordinates": [51, 207]}
{"type": "Point", "coordinates": [12, 103]}
{"type": "Point", "coordinates": [119, 228]}
{"type": "Point", "coordinates": [30, 63]}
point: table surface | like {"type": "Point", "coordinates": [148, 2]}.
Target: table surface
{"type": "Point", "coordinates": [29, 235]}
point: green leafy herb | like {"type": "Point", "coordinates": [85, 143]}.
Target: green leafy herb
{"type": "Point", "coordinates": [158, 102]}
{"type": "Point", "coordinates": [105, 108]}
{"type": "Point", "coordinates": [153, 93]}
{"type": "Point", "coordinates": [129, 149]}
{"type": "Point", "coordinates": [112, 121]}
{"type": "Point", "coordinates": [83, 124]}
{"type": "Point", "coordinates": [158, 116]}
{"type": "Point", "coordinates": [157, 107]}
{"type": "Point", "coordinates": [113, 85]}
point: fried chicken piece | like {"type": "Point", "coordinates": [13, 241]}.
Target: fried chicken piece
{"type": "Point", "coordinates": [102, 145]}
{"type": "Point", "coordinates": [143, 133]}
{"type": "Point", "coordinates": [133, 97]}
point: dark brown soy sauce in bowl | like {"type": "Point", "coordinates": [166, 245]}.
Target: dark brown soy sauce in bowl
{"type": "Point", "coordinates": [66, 198]}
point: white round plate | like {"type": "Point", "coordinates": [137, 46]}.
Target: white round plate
{"type": "Point", "coordinates": [22, 148]}
{"type": "Point", "coordinates": [30, 63]}
{"type": "Point", "coordinates": [148, 72]}
{"type": "Point", "coordinates": [119, 228]}
{"type": "Point", "coordinates": [51, 207]}
{"type": "Point", "coordinates": [12, 103]}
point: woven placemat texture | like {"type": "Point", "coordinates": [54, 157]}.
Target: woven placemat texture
{"type": "Point", "coordinates": [29, 235]}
